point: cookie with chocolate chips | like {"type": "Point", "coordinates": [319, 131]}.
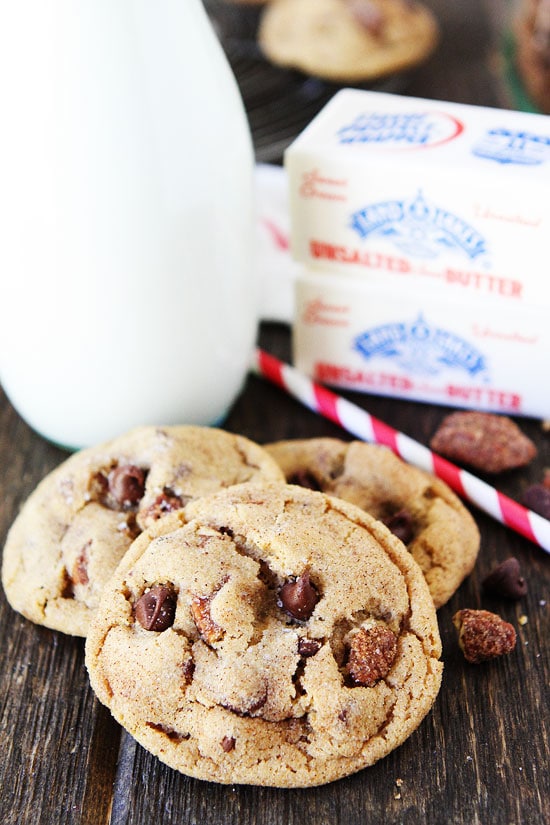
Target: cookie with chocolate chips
{"type": "Point", "coordinates": [347, 40]}
{"type": "Point", "coordinates": [78, 523]}
{"type": "Point", "coordinates": [420, 509]}
{"type": "Point", "coordinates": [296, 640]}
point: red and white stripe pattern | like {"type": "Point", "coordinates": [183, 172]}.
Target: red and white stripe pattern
{"type": "Point", "coordinates": [364, 426]}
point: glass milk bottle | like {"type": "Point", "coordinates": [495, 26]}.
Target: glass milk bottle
{"type": "Point", "coordinates": [126, 237]}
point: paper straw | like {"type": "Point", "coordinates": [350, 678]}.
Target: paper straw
{"type": "Point", "coordinates": [361, 424]}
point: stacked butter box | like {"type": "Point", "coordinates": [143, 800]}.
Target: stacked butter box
{"type": "Point", "coordinates": [423, 231]}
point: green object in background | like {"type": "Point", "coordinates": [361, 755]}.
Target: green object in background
{"type": "Point", "coordinates": [519, 97]}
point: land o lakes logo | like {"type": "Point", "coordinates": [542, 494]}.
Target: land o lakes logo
{"type": "Point", "coordinates": [513, 146]}
{"type": "Point", "coordinates": [419, 228]}
{"type": "Point", "coordinates": [421, 349]}
{"type": "Point", "coordinates": [400, 130]}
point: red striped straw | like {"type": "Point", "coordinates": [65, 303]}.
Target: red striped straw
{"type": "Point", "coordinates": [361, 424]}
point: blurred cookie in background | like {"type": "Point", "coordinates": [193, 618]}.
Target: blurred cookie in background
{"type": "Point", "coordinates": [533, 51]}
{"type": "Point", "coordinates": [347, 40]}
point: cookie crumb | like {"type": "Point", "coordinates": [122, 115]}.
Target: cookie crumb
{"type": "Point", "coordinates": [523, 620]}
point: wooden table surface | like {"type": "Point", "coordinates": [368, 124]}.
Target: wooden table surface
{"type": "Point", "coordinates": [481, 755]}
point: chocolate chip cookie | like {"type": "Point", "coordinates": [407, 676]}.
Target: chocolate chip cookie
{"type": "Point", "coordinates": [76, 526]}
{"type": "Point", "coordinates": [347, 40]}
{"type": "Point", "coordinates": [267, 634]}
{"type": "Point", "coordinates": [420, 509]}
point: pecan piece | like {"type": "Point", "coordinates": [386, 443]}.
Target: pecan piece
{"type": "Point", "coordinates": [207, 627]}
{"type": "Point", "coordinates": [79, 573]}
{"type": "Point", "coordinates": [371, 655]}
{"type": "Point", "coordinates": [483, 635]}
{"type": "Point", "coordinates": [491, 443]}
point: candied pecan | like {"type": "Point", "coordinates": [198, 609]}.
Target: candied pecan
{"type": "Point", "coordinates": [371, 655]}
{"type": "Point", "coordinates": [483, 635]}
{"type": "Point", "coordinates": [156, 609]}
{"type": "Point", "coordinates": [207, 627]}
{"type": "Point", "coordinates": [506, 580]}
{"type": "Point", "coordinates": [298, 597]}
{"type": "Point", "coordinates": [491, 443]}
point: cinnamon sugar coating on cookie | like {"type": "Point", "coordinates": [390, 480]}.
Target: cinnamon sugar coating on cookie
{"type": "Point", "coordinates": [302, 629]}
{"type": "Point", "coordinates": [421, 510]}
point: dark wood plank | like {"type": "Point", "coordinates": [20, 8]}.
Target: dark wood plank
{"type": "Point", "coordinates": [59, 746]}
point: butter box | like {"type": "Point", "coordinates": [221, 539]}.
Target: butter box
{"type": "Point", "coordinates": [435, 193]}
{"type": "Point", "coordinates": [416, 344]}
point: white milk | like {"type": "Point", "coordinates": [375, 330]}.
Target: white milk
{"type": "Point", "coordinates": [126, 212]}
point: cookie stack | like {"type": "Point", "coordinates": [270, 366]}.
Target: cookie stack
{"type": "Point", "coordinates": [242, 626]}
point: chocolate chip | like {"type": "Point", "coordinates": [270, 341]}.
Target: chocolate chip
{"type": "Point", "coordinates": [401, 524]}
{"type": "Point", "coordinates": [309, 647]}
{"type": "Point", "coordinates": [299, 597]}
{"type": "Point", "coordinates": [537, 498]}
{"type": "Point", "coordinates": [188, 669]}
{"type": "Point", "coordinates": [127, 485]}
{"type": "Point", "coordinates": [228, 743]}
{"type": "Point", "coordinates": [368, 15]}
{"type": "Point", "coordinates": [156, 609]}
{"type": "Point", "coordinates": [506, 580]}
{"type": "Point", "coordinates": [247, 710]}
{"type": "Point", "coordinates": [303, 478]}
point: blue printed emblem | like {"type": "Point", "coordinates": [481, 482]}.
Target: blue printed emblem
{"type": "Point", "coordinates": [509, 146]}
{"type": "Point", "coordinates": [399, 130]}
{"type": "Point", "coordinates": [419, 228]}
{"type": "Point", "coordinates": [421, 349]}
